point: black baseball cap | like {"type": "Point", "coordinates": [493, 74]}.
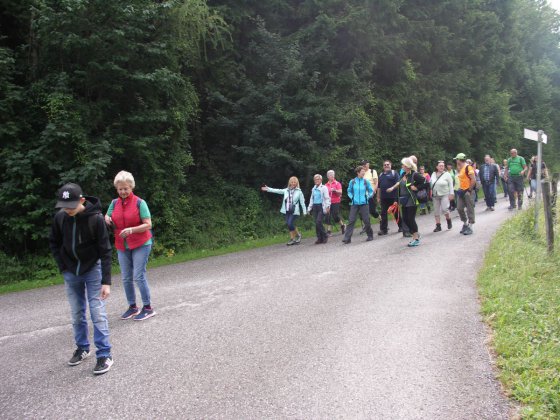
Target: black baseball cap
{"type": "Point", "coordinates": [68, 196]}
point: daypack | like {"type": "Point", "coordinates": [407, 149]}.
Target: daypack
{"type": "Point", "coordinates": [138, 202]}
{"type": "Point", "coordinates": [365, 187]}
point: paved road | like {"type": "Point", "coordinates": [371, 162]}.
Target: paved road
{"type": "Point", "coordinates": [366, 330]}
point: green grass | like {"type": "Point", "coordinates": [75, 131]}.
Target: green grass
{"type": "Point", "coordinates": [164, 260]}
{"type": "Point", "coordinates": [520, 289]}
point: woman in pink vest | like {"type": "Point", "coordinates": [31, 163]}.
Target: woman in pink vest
{"type": "Point", "coordinates": [132, 223]}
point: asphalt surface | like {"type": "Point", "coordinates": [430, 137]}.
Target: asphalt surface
{"type": "Point", "coordinates": [370, 330]}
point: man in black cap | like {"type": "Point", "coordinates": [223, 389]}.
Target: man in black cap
{"type": "Point", "coordinates": [80, 245]}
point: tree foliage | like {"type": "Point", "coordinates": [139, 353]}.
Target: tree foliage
{"type": "Point", "coordinates": [195, 96]}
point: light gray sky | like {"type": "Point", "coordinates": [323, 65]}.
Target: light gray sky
{"type": "Point", "coordinates": [555, 4]}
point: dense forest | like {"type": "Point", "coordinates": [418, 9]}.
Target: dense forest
{"type": "Point", "coordinates": [203, 101]}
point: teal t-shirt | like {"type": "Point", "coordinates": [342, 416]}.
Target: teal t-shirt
{"type": "Point", "coordinates": [144, 214]}
{"type": "Point", "coordinates": [515, 165]}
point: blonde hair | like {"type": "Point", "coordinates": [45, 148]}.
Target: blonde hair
{"type": "Point", "coordinates": [124, 176]}
{"type": "Point", "coordinates": [293, 178]}
{"type": "Point", "coordinates": [409, 163]}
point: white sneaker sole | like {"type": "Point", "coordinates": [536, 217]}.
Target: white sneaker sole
{"type": "Point", "coordinates": [146, 317]}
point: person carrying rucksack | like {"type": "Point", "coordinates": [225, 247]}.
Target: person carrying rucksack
{"type": "Point", "coordinates": [514, 175]}
{"type": "Point", "coordinates": [386, 199]}
{"type": "Point", "coordinates": [80, 245]}
{"type": "Point", "coordinates": [465, 194]}
{"type": "Point", "coordinates": [442, 192]}
{"type": "Point", "coordinates": [132, 222]}
{"type": "Point", "coordinates": [359, 192]}
{"type": "Point", "coordinates": [410, 183]}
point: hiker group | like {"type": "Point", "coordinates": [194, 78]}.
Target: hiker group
{"type": "Point", "coordinates": [403, 193]}
{"type": "Point", "coordinates": [80, 241]}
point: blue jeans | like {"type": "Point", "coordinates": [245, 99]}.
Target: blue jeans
{"type": "Point", "coordinates": [133, 266]}
{"type": "Point", "coordinates": [79, 288]}
{"type": "Point", "coordinates": [489, 193]}
{"type": "Point", "coordinates": [291, 221]}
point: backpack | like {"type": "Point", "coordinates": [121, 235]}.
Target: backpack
{"type": "Point", "coordinates": [365, 187]}
{"type": "Point", "coordinates": [138, 202]}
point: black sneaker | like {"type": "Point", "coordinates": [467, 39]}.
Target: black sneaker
{"type": "Point", "coordinates": [407, 235]}
{"type": "Point", "coordinates": [346, 241]}
{"type": "Point", "coordinates": [449, 224]}
{"type": "Point", "coordinates": [103, 365]}
{"type": "Point", "coordinates": [369, 238]}
{"type": "Point", "coordinates": [468, 231]}
{"type": "Point", "coordinates": [78, 357]}
{"type": "Point", "coordinates": [438, 227]}
{"type": "Point", "coordinates": [465, 226]}
{"type": "Point", "coordinates": [382, 232]}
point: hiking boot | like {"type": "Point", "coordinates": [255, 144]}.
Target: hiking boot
{"type": "Point", "coordinates": [133, 310]}
{"type": "Point", "coordinates": [329, 233]}
{"type": "Point", "coordinates": [449, 224]}
{"type": "Point", "coordinates": [414, 242]}
{"type": "Point", "coordinates": [465, 226]}
{"type": "Point", "coordinates": [291, 242]}
{"type": "Point", "coordinates": [511, 208]}
{"type": "Point", "coordinates": [369, 238]}
{"type": "Point", "coordinates": [382, 232]}
{"type": "Point", "coordinates": [343, 229]}
{"type": "Point", "coordinates": [346, 241]}
{"type": "Point", "coordinates": [78, 357]}
{"type": "Point", "coordinates": [318, 241]}
{"type": "Point", "coordinates": [400, 230]}
{"type": "Point", "coordinates": [468, 231]}
{"type": "Point", "coordinates": [103, 365]}
{"type": "Point", "coordinates": [325, 239]}
{"type": "Point", "coordinates": [438, 227]}
{"type": "Point", "coordinates": [297, 240]}
{"type": "Point", "coordinates": [147, 312]}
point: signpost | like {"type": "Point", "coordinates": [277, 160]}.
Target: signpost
{"type": "Point", "coordinates": [540, 138]}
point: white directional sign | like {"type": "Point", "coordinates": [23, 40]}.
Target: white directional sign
{"type": "Point", "coordinates": [534, 135]}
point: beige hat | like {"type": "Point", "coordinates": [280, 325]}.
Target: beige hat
{"type": "Point", "coordinates": [409, 163]}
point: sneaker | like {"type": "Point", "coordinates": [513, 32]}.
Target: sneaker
{"type": "Point", "coordinates": [133, 310]}
{"type": "Point", "coordinates": [511, 208]}
{"type": "Point", "coordinates": [407, 235]}
{"type": "Point", "coordinates": [414, 242]}
{"type": "Point", "coordinates": [438, 227]}
{"type": "Point", "coordinates": [325, 239]}
{"type": "Point", "coordinates": [468, 231]}
{"type": "Point", "coordinates": [449, 224]}
{"type": "Point", "coordinates": [329, 233]}
{"type": "Point", "coordinates": [400, 230]}
{"type": "Point", "coordinates": [103, 365]}
{"type": "Point", "coordinates": [78, 357]}
{"type": "Point", "coordinates": [491, 208]}
{"type": "Point", "coordinates": [297, 240]}
{"type": "Point", "coordinates": [346, 241]}
{"type": "Point", "coordinates": [487, 209]}
{"type": "Point", "coordinates": [382, 232]}
{"type": "Point", "coordinates": [343, 228]}
{"type": "Point", "coordinates": [145, 314]}
{"type": "Point", "coordinates": [369, 238]}
{"type": "Point", "coordinates": [318, 241]}
{"type": "Point", "coordinates": [463, 228]}
{"type": "Point", "coordinates": [291, 242]}
{"type": "Point", "coordinates": [363, 231]}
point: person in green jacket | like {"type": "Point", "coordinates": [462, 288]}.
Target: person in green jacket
{"type": "Point", "coordinates": [292, 201]}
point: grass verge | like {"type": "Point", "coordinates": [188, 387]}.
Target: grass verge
{"type": "Point", "coordinates": [520, 289]}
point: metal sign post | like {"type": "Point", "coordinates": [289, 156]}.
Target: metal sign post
{"type": "Point", "coordinates": [540, 138]}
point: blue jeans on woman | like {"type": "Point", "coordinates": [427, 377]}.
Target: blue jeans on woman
{"type": "Point", "coordinates": [81, 290]}
{"type": "Point", "coordinates": [291, 221]}
{"type": "Point", "coordinates": [133, 270]}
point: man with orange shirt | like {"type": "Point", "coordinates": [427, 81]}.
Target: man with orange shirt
{"type": "Point", "coordinates": [465, 194]}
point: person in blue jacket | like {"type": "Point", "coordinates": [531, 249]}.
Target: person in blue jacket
{"type": "Point", "coordinates": [359, 192]}
{"type": "Point", "coordinates": [291, 203]}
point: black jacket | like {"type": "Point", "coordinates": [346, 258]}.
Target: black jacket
{"type": "Point", "coordinates": [78, 243]}
{"type": "Point", "coordinates": [492, 170]}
